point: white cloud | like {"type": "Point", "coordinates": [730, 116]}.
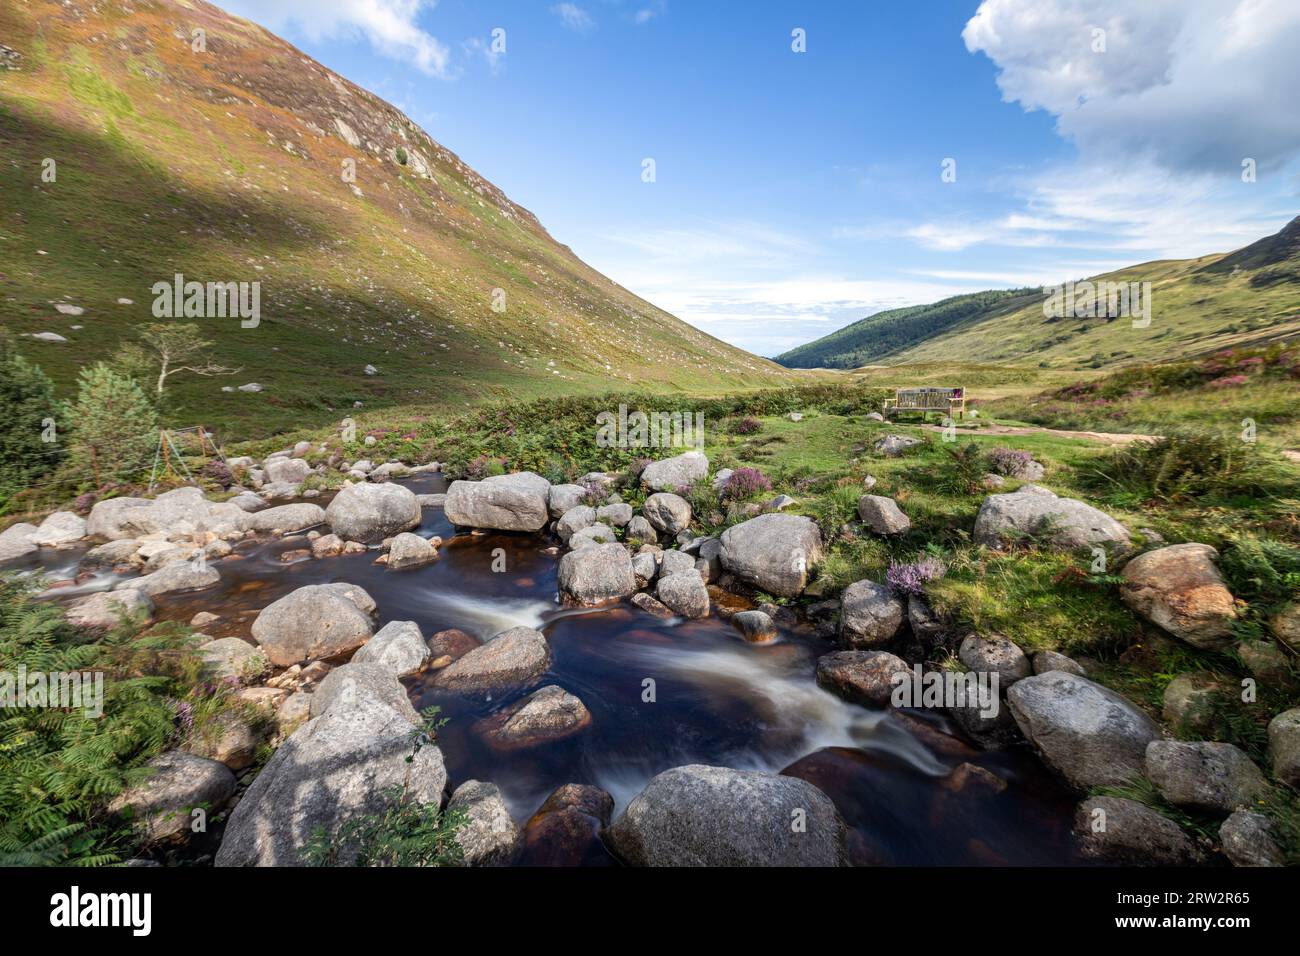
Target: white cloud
{"type": "Point", "coordinates": [390, 26]}
{"type": "Point", "coordinates": [1188, 84]}
{"type": "Point", "coordinates": [574, 17]}
{"type": "Point", "coordinates": [758, 287]}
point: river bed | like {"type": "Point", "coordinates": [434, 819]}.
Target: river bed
{"type": "Point", "coordinates": [661, 693]}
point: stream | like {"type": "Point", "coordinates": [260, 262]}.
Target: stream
{"type": "Point", "coordinates": [716, 699]}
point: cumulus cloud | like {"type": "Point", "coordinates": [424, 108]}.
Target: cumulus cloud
{"type": "Point", "coordinates": [1187, 84]}
{"type": "Point", "coordinates": [390, 26]}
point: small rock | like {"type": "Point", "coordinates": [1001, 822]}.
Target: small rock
{"type": "Point", "coordinates": [882, 515]}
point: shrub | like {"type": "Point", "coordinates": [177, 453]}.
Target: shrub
{"type": "Point", "coordinates": [1009, 461]}
{"type": "Point", "coordinates": [748, 425]}
{"type": "Point", "coordinates": [1181, 465]}
{"type": "Point", "coordinates": [113, 426]}
{"type": "Point", "coordinates": [745, 483]}
{"type": "Point", "coordinates": [217, 472]}
{"type": "Point", "coordinates": [1260, 569]}
{"type": "Point", "coordinates": [960, 471]}
{"type": "Point", "coordinates": [912, 578]}
{"type": "Point", "coordinates": [27, 396]}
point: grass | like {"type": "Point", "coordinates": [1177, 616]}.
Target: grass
{"type": "Point", "coordinates": [1226, 392]}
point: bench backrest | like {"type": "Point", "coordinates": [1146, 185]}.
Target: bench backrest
{"type": "Point", "coordinates": [927, 397]}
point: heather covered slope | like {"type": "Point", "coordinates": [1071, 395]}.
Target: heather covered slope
{"type": "Point", "coordinates": [1248, 298]}
{"type": "Point", "coordinates": [226, 165]}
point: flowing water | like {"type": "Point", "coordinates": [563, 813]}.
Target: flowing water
{"type": "Point", "coordinates": [662, 693]}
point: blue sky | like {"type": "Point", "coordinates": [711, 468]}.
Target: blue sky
{"type": "Point", "coordinates": [797, 192]}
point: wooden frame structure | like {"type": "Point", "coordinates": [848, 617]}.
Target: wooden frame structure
{"type": "Point", "coordinates": [949, 401]}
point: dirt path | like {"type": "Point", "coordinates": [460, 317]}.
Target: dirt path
{"type": "Point", "coordinates": [1106, 438]}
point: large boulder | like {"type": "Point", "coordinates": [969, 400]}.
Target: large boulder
{"type": "Point", "coordinates": [369, 513]}
{"type": "Point", "coordinates": [232, 659]}
{"type": "Point", "coordinates": [1285, 626]}
{"type": "Point", "coordinates": [684, 592]}
{"type": "Point", "coordinates": [112, 554]}
{"type": "Point", "coordinates": [160, 807]}
{"type": "Point", "coordinates": [59, 530]}
{"type": "Point", "coordinates": [667, 512]}
{"type": "Point", "coordinates": [870, 614]}
{"type": "Point", "coordinates": [287, 518]}
{"type": "Point", "coordinates": [1088, 734]}
{"type": "Point", "coordinates": [616, 515]}
{"type": "Point", "coordinates": [105, 609]}
{"type": "Point", "coordinates": [892, 446]}
{"type": "Point", "coordinates": [1204, 776]}
{"type": "Point", "coordinates": [596, 574]}
{"type": "Point", "coordinates": [1179, 588]}
{"type": "Point", "coordinates": [640, 529]}
{"type": "Point", "coordinates": [312, 623]}
{"type": "Point", "coordinates": [862, 677]}
{"type": "Point", "coordinates": [1118, 830]}
{"type": "Point", "coordinates": [1284, 747]}
{"type": "Point", "coordinates": [565, 830]}
{"type": "Point", "coordinates": [882, 515]}
{"type": "Point", "coordinates": [1033, 511]}
{"type": "Point", "coordinates": [576, 519]}
{"type": "Point", "coordinates": [511, 659]}
{"type": "Point", "coordinates": [681, 471]}
{"type": "Point", "coordinates": [293, 471]}
{"type": "Point", "coordinates": [773, 552]}
{"type": "Point", "coordinates": [562, 498]}
{"type": "Point", "coordinates": [503, 503]}
{"type": "Point", "coordinates": [16, 541]}
{"type": "Point", "coordinates": [1249, 839]}
{"type": "Point", "coordinates": [409, 550]}
{"type": "Point", "coordinates": [179, 576]}
{"type": "Point", "coordinates": [399, 647]}
{"type": "Point", "coordinates": [549, 713]}
{"type": "Point", "coordinates": [355, 679]}
{"type": "Point", "coordinates": [488, 837]}
{"type": "Point", "coordinates": [714, 816]}
{"type": "Point", "coordinates": [994, 654]}
{"type": "Point", "coordinates": [335, 768]}
{"type": "Point", "coordinates": [177, 513]}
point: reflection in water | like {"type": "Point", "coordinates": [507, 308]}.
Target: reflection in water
{"type": "Point", "coordinates": [661, 694]}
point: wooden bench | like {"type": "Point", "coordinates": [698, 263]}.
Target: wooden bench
{"type": "Point", "coordinates": [949, 401]}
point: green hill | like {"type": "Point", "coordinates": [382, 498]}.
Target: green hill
{"type": "Point", "coordinates": [1247, 298]}
{"type": "Point", "coordinates": [887, 333]}
{"type": "Point", "coordinates": [226, 165]}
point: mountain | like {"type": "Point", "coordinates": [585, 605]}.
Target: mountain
{"type": "Point", "coordinates": [224, 161]}
{"type": "Point", "coordinates": [885, 333]}
{"type": "Point", "coordinates": [1245, 298]}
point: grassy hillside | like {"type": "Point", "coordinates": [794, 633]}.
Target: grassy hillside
{"type": "Point", "coordinates": [1247, 298]}
{"type": "Point", "coordinates": [1219, 393]}
{"type": "Point", "coordinates": [887, 333]}
{"type": "Point", "coordinates": [226, 165]}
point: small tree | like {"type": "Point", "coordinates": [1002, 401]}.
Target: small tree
{"type": "Point", "coordinates": [114, 426]}
{"type": "Point", "coordinates": [172, 348]}
{"type": "Point", "coordinates": [27, 423]}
